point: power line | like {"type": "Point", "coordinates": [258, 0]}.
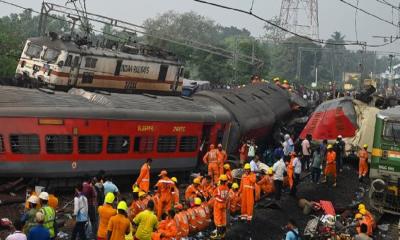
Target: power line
{"type": "Point", "coordinates": [349, 43]}
{"type": "Point", "coordinates": [368, 13]}
{"type": "Point", "coordinates": [388, 4]}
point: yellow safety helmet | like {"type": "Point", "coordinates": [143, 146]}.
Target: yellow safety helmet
{"type": "Point", "coordinates": [358, 216]}
{"type": "Point", "coordinates": [330, 146]}
{"type": "Point", "coordinates": [141, 194]}
{"type": "Point", "coordinates": [174, 179]}
{"type": "Point", "coordinates": [227, 166]}
{"type": "Point", "coordinates": [365, 146]}
{"type": "Point", "coordinates": [135, 189]}
{"type": "Point", "coordinates": [109, 198]}
{"type": "Point", "coordinates": [363, 211]}
{"type": "Point", "coordinates": [361, 206]}
{"type": "Point", "coordinates": [196, 180]}
{"type": "Point", "coordinates": [235, 186]}
{"type": "Point", "coordinates": [276, 79]}
{"type": "Point", "coordinates": [285, 81]}
{"type": "Point", "coordinates": [197, 201]}
{"type": "Point", "coordinates": [223, 177]}
{"type": "Point", "coordinates": [270, 171]}
{"type": "Point", "coordinates": [122, 206]}
{"type": "Point", "coordinates": [247, 166]}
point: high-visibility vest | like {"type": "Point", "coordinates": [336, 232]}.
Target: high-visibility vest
{"type": "Point", "coordinates": [49, 218]}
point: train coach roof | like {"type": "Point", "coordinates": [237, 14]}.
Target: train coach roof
{"type": "Point", "coordinates": [391, 113]}
{"type": "Point", "coordinates": [22, 102]}
{"type": "Point", "coordinates": [70, 46]}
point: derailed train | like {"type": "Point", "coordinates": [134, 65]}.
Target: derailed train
{"type": "Point", "coordinates": [52, 134]}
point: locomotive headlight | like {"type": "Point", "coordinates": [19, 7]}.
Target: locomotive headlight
{"type": "Point", "coordinates": [378, 185]}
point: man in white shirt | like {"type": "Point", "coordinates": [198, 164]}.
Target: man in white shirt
{"type": "Point", "coordinates": [288, 145]}
{"type": "Point", "coordinates": [254, 164]}
{"type": "Point", "coordinates": [18, 234]}
{"type": "Point", "coordinates": [296, 176]}
{"type": "Point", "coordinates": [279, 169]}
{"type": "Point", "coordinates": [252, 150]}
{"type": "Point", "coordinates": [306, 151]}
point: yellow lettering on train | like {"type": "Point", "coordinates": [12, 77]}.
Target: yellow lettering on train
{"type": "Point", "coordinates": [145, 128]}
{"type": "Point", "coordinates": [179, 129]}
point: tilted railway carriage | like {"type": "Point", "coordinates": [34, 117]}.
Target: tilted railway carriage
{"type": "Point", "coordinates": [61, 64]}
{"type": "Point", "coordinates": [47, 134]}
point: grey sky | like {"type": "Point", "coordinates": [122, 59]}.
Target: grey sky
{"type": "Point", "coordinates": [333, 15]}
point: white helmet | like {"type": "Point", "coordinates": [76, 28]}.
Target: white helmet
{"type": "Point", "coordinates": [33, 199]}
{"type": "Point", "coordinates": [44, 196]}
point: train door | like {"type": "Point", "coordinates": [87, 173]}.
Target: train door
{"type": "Point", "coordinates": [74, 71]}
{"type": "Point", "coordinates": [163, 73]}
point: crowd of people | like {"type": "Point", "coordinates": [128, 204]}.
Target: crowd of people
{"type": "Point", "coordinates": [164, 213]}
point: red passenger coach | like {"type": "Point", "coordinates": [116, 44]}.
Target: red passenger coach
{"type": "Point", "coordinates": [62, 134]}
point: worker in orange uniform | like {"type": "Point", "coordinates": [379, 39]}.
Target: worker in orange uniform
{"type": "Point", "coordinates": [136, 206]}
{"type": "Point", "coordinates": [360, 219]}
{"type": "Point", "coordinates": [363, 210]}
{"type": "Point", "coordinates": [143, 181]}
{"type": "Point", "coordinates": [228, 172]}
{"type": "Point", "coordinates": [363, 163]}
{"type": "Point", "coordinates": [222, 157]}
{"type": "Point", "coordinates": [243, 152]}
{"type": "Point", "coordinates": [30, 191]}
{"type": "Point", "coordinates": [247, 186]}
{"type": "Point", "coordinates": [164, 189]}
{"type": "Point", "coordinates": [285, 84]}
{"type": "Point", "coordinates": [105, 211]}
{"type": "Point", "coordinates": [119, 225]}
{"type": "Point", "coordinates": [234, 199]}
{"type": "Point", "coordinates": [167, 228]}
{"type": "Point", "coordinates": [221, 197]}
{"type": "Point", "coordinates": [266, 182]}
{"type": "Point", "coordinates": [290, 169]}
{"type": "Point", "coordinates": [211, 160]}
{"type": "Point", "coordinates": [207, 187]}
{"type": "Point", "coordinates": [330, 168]}
{"type": "Point", "coordinates": [193, 191]}
{"type": "Point", "coordinates": [175, 192]}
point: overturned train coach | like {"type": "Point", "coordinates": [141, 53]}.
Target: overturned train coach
{"type": "Point", "coordinates": [48, 134]}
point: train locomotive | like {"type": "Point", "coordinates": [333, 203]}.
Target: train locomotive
{"type": "Point", "coordinates": [51, 134]}
{"type": "Point", "coordinates": [61, 63]}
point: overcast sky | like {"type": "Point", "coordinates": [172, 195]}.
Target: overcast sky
{"type": "Point", "coordinates": [333, 15]}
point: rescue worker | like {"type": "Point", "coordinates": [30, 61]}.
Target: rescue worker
{"type": "Point", "coordinates": [234, 199]}
{"type": "Point", "coordinates": [175, 192]}
{"type": "Point", "coordinates": [221, 197]}
{"type": "Point", "coordinates": [49, 214]}
{"type": "Point", "coordinates": [146, 223]}
{"type": "Point", "coordinates": [363, 163]}
{"type": "Point", "coordinates": [228, 172]}
{"type": "Point", "coordinates": [193, 191]}
{"type": "Point", "coordinates": [194, 222]}
{"type": "Point", "coordinates": [31, 192]}
{"type": "Point", "coordinates": [277, 81]}
{"type": "Point", "coordinates": [222, 157]}
{"type": "Point", "coordinates": [363, 210]}
{"type": "Point", "coordinates": [30, 215]}
{"type": "Point", "coordinates": [207, 187]}
{"type": "Point", "coordinates": [143, 181]}
{"type": "Point", "coordinates": [290, 168]}
{"type": "Point", "coordinates": [247, 185]}
{"type": "Point", "coordinates": [362, 220]}
{"type": "Point", "coordinates": [135, 206]}
{"type": "Point", "coordinates": [119, 225]}
{"type": "Point", "coordinates": [105, 211]}
{"type": "Point", "coordinates": [266, 183]}
{"type": "Point", "coordinates": [211, 160]}
{"type": "Point", "coordinates": [330, 168]}
{"type": "Point", "coordinates": [285, 84]}
{"type": "Point", "coordinates": [167, 228]}
{"type": "Point", "coordinates": [164, 189]}
{"type": "Point", "coordinates": [243, 151]}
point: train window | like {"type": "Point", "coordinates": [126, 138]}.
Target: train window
{"type": "Point", "coordinates": [59, 144]}
{"type": "Point", "coordinates": [33, 51]}
{"type": "Point", "coordinates": [163, 73]}
{"type": "Point", "coordinates": [1, 144]}
{"type": "Point", "coordinates": [181, 72]}
{"type": "Point", "coordinates": [25, 144]}
{"type": "Point", "coordinates": [90, 62]}
{"type": "Point", "coordinates": [87, 77]}
{"type": "Point", "coordinates": [118, 68]}
{"type": "Point", "coordinates": [166, 144]}
{"type": "Point", "coordinates": [51, 55]}
{"type": "Point", "coordinates": [118, 144]}
{"type": "Point", "coordinates": [68, 61]}
{"type": "Point", "coordinates": [143, 144]}
{"type": "Point", "coordinates": [76, 61]}
{"type": "Point", "coordinates": [90, 144]}
{"type": "Point", "coordinates": [188, 144]}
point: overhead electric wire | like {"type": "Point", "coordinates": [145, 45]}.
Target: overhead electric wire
{"type": "Point", "coordinates": [350, 43]}
{"type": "Point", "coordinates": [370, 14]}
{"type": "Point", "coordinates": [388, 4]}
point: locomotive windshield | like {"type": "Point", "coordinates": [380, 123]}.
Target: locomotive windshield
{"type": "Point", "coordinates": [391, 131]}
{"type": "Point", "coordinates": [50, 55]}
{"type": "Point", "coordinates": [33, 51]}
